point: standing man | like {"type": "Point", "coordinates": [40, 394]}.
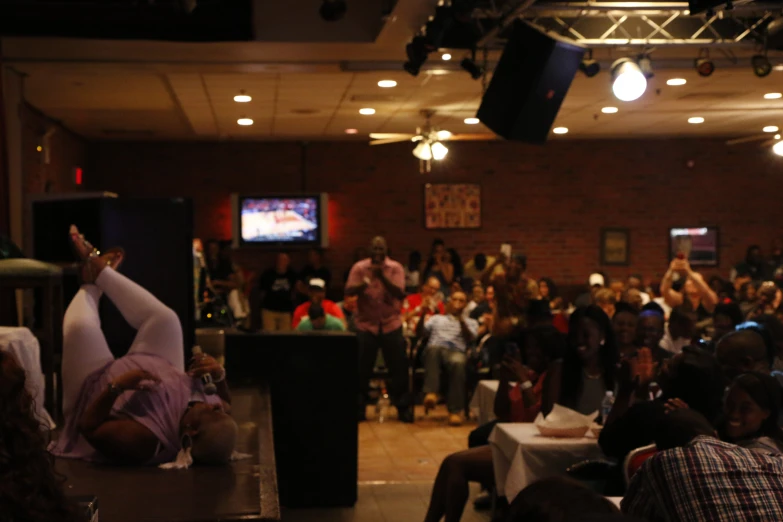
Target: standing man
{"type": "Point", "coordinates": [379, 282]}
{"type": "Point", "coordinates": [275, 294]}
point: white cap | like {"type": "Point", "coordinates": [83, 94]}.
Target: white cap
{"type": "Point", "coordinates": [596, 279]}
{"type": "Point", "coordinates": [318, 283]}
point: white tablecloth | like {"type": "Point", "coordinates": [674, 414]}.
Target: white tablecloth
{"type": "Point", "coordinates": [521, 456]}
{"type": "Point", "coordinates": [483, 401]}
{"type": "Point", "coordinates": [24, 346]}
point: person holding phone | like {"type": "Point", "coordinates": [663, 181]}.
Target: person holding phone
{"type": "Point", "coordinates": [695, 298]}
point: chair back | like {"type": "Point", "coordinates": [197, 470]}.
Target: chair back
{"type": "Point", "coordinates": [635, 459]}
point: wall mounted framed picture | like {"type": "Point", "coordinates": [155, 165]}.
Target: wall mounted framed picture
{"type": "Point", "coordinates": [452, 205]}
{"type": "Point", "coordinates": [699, 245]}
{"type": "Point", "coordinates": [615, 246]}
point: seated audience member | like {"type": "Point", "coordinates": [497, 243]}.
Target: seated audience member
{"type": "Point", "coordinates": [317, 319]}
{"type": "Point", "coordinates": [624, 324]}
{"type": "Point", "coordinates": [317, 290]}
{"type": "Point", "coordinates": [275, 291]}
{"type": "Point", "coordinates": [520, 403]}
{"type": "Point", "coordinates": [635, 282]}
{"type": "Point", "coordinates": [141, 408]}
{"type": "Point", "coordinates": [477, 267]}
{"type": "Point", "coordinates": [31, 490]}
{"type": "Point", "coordinates": [649, 334]}
{"type": "Point", "coordinates": [427, 302]}
{"type": "Point", "coordinates": [580, 381]}
{"type": "Point", "coordinates": [485, 306]}
{"type": "Point", "coordinates": [768, 302]}
{"type": "Point", "coordinates": [595, 282]}
{"type": "Point", "coordinates": [456, 261]}
{"type": "Point", "coordinates": [413, 272]}
{"type": "Point", "coordinates": [696, 298]}
{"type": "Point", "coordinates": [348, 306]}
{"type": "Point", "coordinates": [477, 297]}
{"type": "Point", "coordinates": [560, 499]}
{"type": "Point", "coordinates": [618, 287]}
{"type": "Point", "coordinates": [702, 479]}
{"type": "Point", "coordinates": [745, 350]}
{"type": "Point", "coordinates": [754, 265]}
{"type": "Point", "coordinates": [605, 299]}
{"type": "Point", "coordinates": [679, 332]}
{"type": "Point", "coordinates": [633, 297]}
{"type": "Point", "coordinates": [747, 298]}
{"type": "Point", "coordinates": [774, 327]}
{"type": "Point", "coordinates": [449, 336]}
{"type": "Point", "coordinates": [750, 414]}
{"type": "Point", "coordinates": [314, 269]}
{"type": "Point", "coordinates": [439, 265]}
{"type": "Point", "coordinates": [726, 318]}
{"type": "Point", "coordinates": [692, 377]}
{"type": "Point", "coordinates": [723, 289]}
{"type": "Point", "coordinates": [547, 291]}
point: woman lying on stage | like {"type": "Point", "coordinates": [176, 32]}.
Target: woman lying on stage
{"type": "Point", "coordinates": [142, 408]}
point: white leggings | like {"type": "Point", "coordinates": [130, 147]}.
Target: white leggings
{"type": "Point", "coordinates": [84, 346]}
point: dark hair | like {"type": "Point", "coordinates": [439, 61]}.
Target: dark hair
{"type": "Point", "coordinates": [32, 491]}
{"type": "Point", "coordinates": [696, 378]}
{"type": "Point", "coordinates": [551, 285]}
{"type": "Point", "coordinates": [765, 391]}
{"type": "Point", "coordinates": [437, 242]}
{"type": "Point", "coordinates": [625, 307]}
{"type": "Point", "coordinates": [551, 341]}
{"type": "Point", "coordinates": [773, 325]}
{"type": "Point", "coordinates": [573, 374]}
{"type": "Point", "coordinates": [730, 310]}
{"type": "Point", "coordinates": [750, 249]}
{"type": "Point", "coordinates": [743, 292]}
{"type": "Point", "coordinates": [457, 262]}
{"type": "Point", "coordinates": [769, 343]}
{"type": "Point", "coordinates": [316, 311]}
{"type": "Point", "coordinates": [414, 260]}
{"type": "Point", "coordinates": [679, 428]}
{"type": "Point", "coordinates": [521, 259]}
{"type": "Point", "coordinates": [480, 261]}
{"type": "Point", "coordinates": [653, 306]}
{"type": "Point", "coordinates": [557, 499]}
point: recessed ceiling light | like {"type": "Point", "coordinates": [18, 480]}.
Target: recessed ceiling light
{"type": "Point", "coordinates": [773, 96]}
{"type": "Point", "coordinates": [242, 98]}
{"type": "Point", "coordinates": [245, 121]}
{"type": "Point", "coordinates": [770, 128]}
{"type": "Point", "coordinates": [609, 110]}
{"type": "Point", "coordinates": [446, 57]}
{"type": "Point", "coordinates": [560, 130]}
{"type": "Point", "coordinates": [351, 131]}
{"type": "Point", "coordinates": [676, 81]}
{"type": "Point", "coordinates": [367, 111]}
{"type": "Point", "coordinates": [777, 136]}
{"type": "Point", "coordinates": [472, 121]}
{"type": "Point", "coordinates": [387, 83]}
{"type": "Point", "coordinates": [696, 119]}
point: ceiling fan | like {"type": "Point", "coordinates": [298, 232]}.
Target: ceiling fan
{"type": "Point", "coordinates": [429, 141]}
{"type": "Point", "coordinates": [769, 138]}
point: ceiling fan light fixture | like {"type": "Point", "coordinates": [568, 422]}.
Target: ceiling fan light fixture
{"type": "Point", "coordinates": [770, 128]}
{"type": "Point", "coordinates": [778, 148]}
{"type": "Point", "coordinates": [423, 151]}
{"type": "Point", "coordinates": [443, 135]}
{"type": "Point", "coordinates": [439, 151]}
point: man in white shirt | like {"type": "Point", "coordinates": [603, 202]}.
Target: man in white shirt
{"type": "Point", "coordinates": [449, 335]}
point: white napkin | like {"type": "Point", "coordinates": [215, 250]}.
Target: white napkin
{"type": "Point", "coordinates": [564, 418]}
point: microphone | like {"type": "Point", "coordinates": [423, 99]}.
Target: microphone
{"type": "Point", "coordinates": [206, 379]}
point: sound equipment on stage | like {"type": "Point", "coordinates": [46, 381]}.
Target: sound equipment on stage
{"type": "Point", "coordinates": [157, 235]}
{"type": "Point", "coordinates": [529, 84]}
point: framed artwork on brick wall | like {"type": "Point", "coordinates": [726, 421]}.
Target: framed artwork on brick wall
{"type": "Point", "coordinates": [615, 246]}
{"type": "Point", "coordinates": [452, 205]}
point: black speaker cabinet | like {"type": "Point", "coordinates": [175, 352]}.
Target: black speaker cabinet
{"type": "Point", "coordinates": [157, 235]}
{"type": "Point", "coordinates": [529, 84]}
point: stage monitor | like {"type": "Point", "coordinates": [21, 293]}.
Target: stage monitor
{"type": "Point", "coordinates": [287, 220]}
{"type": "Point", "coordinates": [699, 245]}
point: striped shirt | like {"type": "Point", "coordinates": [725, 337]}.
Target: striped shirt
{"type": "Point", "coordinates": [708, 480]}
{"type": "Point", "coordinates": [445, 331]}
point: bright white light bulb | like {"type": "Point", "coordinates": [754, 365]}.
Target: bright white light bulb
{"type": "Point", "coordinates": [423, 151]}
{"type": "Point", "coordinates": [367, 111]}
{"type": "Point", "coordinates": [609, 110]}
{"type": "Point", "coordinates": [444, 135]}
{"type": "Point", "coordinates": [770, 128]}
{"type": "Point", "coordinates": [773, 96]}
{"type": "Point", "coordinates": [242, 98]}
{"type": "Point", "coordinates": [472, 121]}
{"type": "Point", "coordinates": [778, 148]}
{"type": "Point", "coordinates": [439, 150]}
{"type": "Point", "coordinates": [244, 122]}
{"type": "Point", "coordinates": [676, 81]}
{"type": "Point", "coordinates": [629, 82]}
{"type": "Point", "coordinates": [386, 84]}
{"type": "Point", "coordinates": [560, 130]}
{"type": "Point", "coordinates": [446, 57]}
{"type": "Point", "coordinates": [696, 120]}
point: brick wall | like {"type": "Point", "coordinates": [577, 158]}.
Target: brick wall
{"type": "Point", "coordinates": [549, 202]}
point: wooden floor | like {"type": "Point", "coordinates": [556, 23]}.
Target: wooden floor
{"type": "Point", "coordinates": [397, 466]}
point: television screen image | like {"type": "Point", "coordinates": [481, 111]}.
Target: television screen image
{"type": "Point", "coordinates": [699, 245]}
{"type": "Point", "coordinates": [279, 220]}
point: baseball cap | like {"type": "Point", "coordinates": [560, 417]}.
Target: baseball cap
{"type": "Point", "coordinates": [596, 279]}
{"type": "Point", "coordinates": [317, 283]}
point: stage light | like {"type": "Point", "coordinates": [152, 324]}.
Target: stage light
{"type": "Point", "coordinates": [695, 120]}
{"type": "Point", "coordinates": [244, 122]}
{"type": "Point", "coordinates": [770, 128]}
{"type": "Point", "coordinates": [242, 97]}
{"type": "Point", "coordinates": [761, 65]}
{"type": "Point", "coordinates": [704, 66]}
{"type": "Point", "coordinates": [367, 111]}
{"type": "Point", "coordinates": [439, 151]}
{"type": "Point", "coordinates": [386, 84]}
{"type": "Point", "coordinates": [628, 81]}
{"type": "Point", "coordinates": [351, 131]}
{"type": "Point", "coordinates": [773, 96]}
{"type": "Point", "coordinates": [560, 130]}
{"type": "Point", "coordinates": [332, 10]}
{"type": "Point", "coordinates": [470, 66]}
{"type": "Point", "coordinates": [472, 121]}
{"type": "Point", "coordinates": [589, 67]}
{"type": "Point", "coordinates": [423, 151]}
{"type": "Point", "coordinates": [676, 81]}
{"type": "Point", "coordinates": [446, 57]}
{"type": "Point", "coordinates": [778, 148]}
{"type": "Point", "coordinates": [609, 110]}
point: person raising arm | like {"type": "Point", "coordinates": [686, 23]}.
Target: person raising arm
{"type": "Point", "coordinates": [696, 290]}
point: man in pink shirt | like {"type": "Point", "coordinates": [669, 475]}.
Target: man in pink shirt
{"type": "Point", "coordinates": [380, 284]}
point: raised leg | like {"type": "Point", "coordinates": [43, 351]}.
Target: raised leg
{"type": "Point", "coordinates": [455, 366]}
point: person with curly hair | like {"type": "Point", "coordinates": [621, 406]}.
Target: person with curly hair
{"type": "Point", "coordinates": [30, 490]}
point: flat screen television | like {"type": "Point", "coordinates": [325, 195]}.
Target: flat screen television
{"type": "Point", "coordinates": [698, 244]}
{"type": "Point", "coordinates": [284, 220]}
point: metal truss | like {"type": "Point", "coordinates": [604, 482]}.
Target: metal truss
{"type": "Point", "coordinates": [645, 24]}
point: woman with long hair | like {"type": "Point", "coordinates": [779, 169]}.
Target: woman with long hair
{"type": "Point", "coordinates": [30, 491]}
{"type": "Point", "coordinates": [580, 381]}
{"type": "Point", "coordinates": [751, 413]}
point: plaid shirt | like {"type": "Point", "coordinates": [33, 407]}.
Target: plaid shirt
{"type": "Point", "coordinates": [708, 480]}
